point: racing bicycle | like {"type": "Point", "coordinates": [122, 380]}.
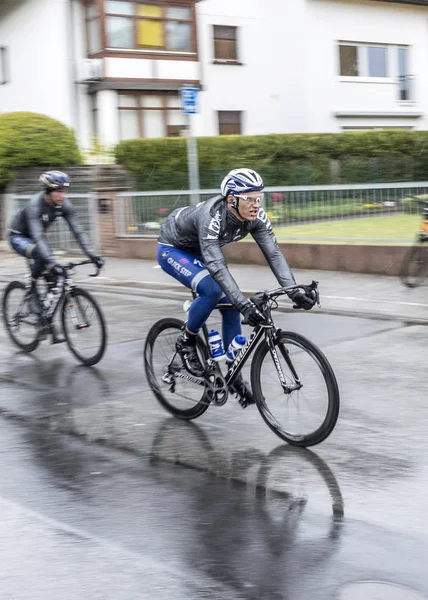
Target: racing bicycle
{"type": "Point", "coordinates": [293, 384]}
{"type": "Point", "coordinates": [82, 320]}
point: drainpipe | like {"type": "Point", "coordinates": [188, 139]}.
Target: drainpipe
{"type": "Point", "coordinates": [75, 116]}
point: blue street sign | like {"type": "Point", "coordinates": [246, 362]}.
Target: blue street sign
{"type": "Point", "coordinates": [188, 100]}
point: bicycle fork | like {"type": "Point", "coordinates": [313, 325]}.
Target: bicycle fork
{"type": "Point", "coordinates": [286, 355]}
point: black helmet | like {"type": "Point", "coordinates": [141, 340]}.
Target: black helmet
{"type": "Point", "coordinates": [54, 180]}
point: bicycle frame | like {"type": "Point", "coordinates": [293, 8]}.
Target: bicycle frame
{"type": "Point", "coordinates": [66, 285]}
{"type": "Point", "coordinates": [269, 331]}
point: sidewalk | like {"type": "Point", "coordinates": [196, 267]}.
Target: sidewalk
{"type": "Point", "coordinates": [341, 293]}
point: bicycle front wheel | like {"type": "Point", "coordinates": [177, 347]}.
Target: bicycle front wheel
{"type": "Point", "coordinates": [180, 393]}
{"type": "Point", "coordinates": [306, 411]}
{"type": "Point", "coordinates": [84, 326]}
{"type": "Point", "coordinates": [21, 324]}
{"type": "Point", "coordinates": [414, 268]}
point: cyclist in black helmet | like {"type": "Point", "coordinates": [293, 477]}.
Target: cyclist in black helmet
{"type": "Point", "coordinates": [27, 233]}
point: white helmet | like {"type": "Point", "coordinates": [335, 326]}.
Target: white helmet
{"type": "Point", "coordinates": [239, 181]}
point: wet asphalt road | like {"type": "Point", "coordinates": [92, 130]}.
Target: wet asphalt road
{"type": "Point", "coordinates": [103, 495]}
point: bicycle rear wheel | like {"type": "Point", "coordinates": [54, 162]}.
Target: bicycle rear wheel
{"type": "Point", "coordinates": [306, 414]}
{"type": "Point", "coordinates": [21, 324]}
{"type": "Point", "coordinates": [177, 391]}
{"type": "Point", "coordinates": [414, 268]}
{"type": "Point", "coordinates": [84, 326]}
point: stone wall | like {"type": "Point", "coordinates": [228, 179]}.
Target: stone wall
{"type": "Point", "coordinates": [382, 260]}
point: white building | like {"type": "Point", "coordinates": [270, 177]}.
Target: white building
{"type": "Point", "coordinates": [113, 68]}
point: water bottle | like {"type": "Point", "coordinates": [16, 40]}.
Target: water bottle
{"type": "Point", "coordinates": [235, 346]}
{"type": "Point", "coordinates": [216, 345]}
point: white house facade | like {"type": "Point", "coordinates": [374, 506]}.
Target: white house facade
{"type": "Point", "coordinates": [112, 68]}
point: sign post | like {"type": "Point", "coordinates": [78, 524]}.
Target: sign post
{"type": "Point", "coordinates": [188, 97]}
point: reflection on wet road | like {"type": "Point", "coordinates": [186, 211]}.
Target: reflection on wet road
{"type": "Point", "coordinates": [131, 503]}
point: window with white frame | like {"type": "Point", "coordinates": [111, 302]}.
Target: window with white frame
{"type": "Point", "coordinates": [377, 61]}
{"type": "Point", "coordinates": [363, 60]}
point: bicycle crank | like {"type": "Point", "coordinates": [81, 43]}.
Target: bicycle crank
{"type": "Point", "coordinates": [216, 389]}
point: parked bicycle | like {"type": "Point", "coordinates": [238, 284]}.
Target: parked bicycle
{"type": "Point", "coordinates": [293, 384]}
{"type": "Point", "coordinates": [82, 319]}
{"type": "Point", "coordinates": [414, 268]}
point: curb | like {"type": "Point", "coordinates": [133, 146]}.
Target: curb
{"type": "Point", "coordinates": [167, 291]}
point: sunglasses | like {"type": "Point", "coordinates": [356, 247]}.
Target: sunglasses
{"type": "Point", "coordinates": [250, 199]}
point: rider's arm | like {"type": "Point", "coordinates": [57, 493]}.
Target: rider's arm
{"type": "Point", "coordinates": [216, 264]}
{"type": "Point", "coordinates": [263, 234]}
{"type": "Point", "coordinates": [37, 233]}
{"type": "Point", "coordinates": [76, 228]}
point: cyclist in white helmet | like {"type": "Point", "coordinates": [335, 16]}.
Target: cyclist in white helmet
{"type": "Point", "coordinates": [189, 249]}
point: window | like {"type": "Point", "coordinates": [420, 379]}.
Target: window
{"type": "Point", "coordinates": [348, 61]}
{"type": "Point", "coordinates": [151, 26]}
{"type": "Point", "coordinates": [404, 78]}
{"type": "Point", "coordinates": [363, 60]}
{"type": "Point", "coordinates": [229, 122]}
{"type": "Point", "coordinates": [377, 61]}
{"type": "Point", "coordinates": [147, 114]}
{"type": "Point", "coordinates": [4, 64]}
{"type": "Point", "coordinates": [93, 28]}
{"type": "Point", "coordinates": [225, 43]}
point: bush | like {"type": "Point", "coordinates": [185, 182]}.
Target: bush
{"type": "Point", "coordinates": [33, 140]}
{"type": "Point", "coordinates": [294, 159]}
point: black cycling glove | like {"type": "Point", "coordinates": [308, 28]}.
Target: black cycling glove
{"type": "Point", "coordinates": [252, 314]}
{"type": "Point", "coordinates": [302, 299]}
{"type": "Point", "coordinates": [97, 260]}
{"type": "Point", "coordinates": [55, 270]}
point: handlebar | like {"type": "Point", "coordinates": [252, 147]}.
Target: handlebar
{"type": "Point", "coordinates": [272, 294]}
{"type": "Point", "coordinates": [69, 266]}
{"type": "Point", "coordinates": [262, 298]}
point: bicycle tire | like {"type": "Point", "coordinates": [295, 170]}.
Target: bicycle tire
{"type": "Point", "coordinates": [304, 345]}
{"type": "Point", "coordinates": [414, 268]}
{"type": "Point", "coordinates": [91, 358]}
{"type": "Point", "coordinates": [175, 325]}
{"type": "Point", "coordinates": [26, 347]}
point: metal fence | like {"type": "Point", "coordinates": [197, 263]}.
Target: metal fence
{"type": "Point", "coordinates": [140, 214]}
{"type": "Point", "coordinates": [59, 235]}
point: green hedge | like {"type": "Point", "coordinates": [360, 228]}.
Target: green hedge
{"type": "Point", "coordinates": [294, 159]}
{"type": "Point", "coordinates": [32, 140]}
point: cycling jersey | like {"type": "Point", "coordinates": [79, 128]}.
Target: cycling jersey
{"type": "Point", "coordinates": [204, 228]}
{"type": "Point", "coordinates": [36, 216]}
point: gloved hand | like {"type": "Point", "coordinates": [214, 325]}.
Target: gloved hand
{"type": "Point", "coordinates": [302, 299]}
{"type": "Point", "coordinates": [252, 314]}
{"type": "Point", "coordinates": [97, 260]}
{"type": "Point", "coordinates": [55, 270]}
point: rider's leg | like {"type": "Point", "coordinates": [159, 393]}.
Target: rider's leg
{"type": "Point", "coordinates": [189, 270]}
{"type": "Point", "coordinates": [27, 248]}
{"type": "Point", "coordinates": [231, 323]}
{"type": "Point", "coordinates": [231, 328]}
